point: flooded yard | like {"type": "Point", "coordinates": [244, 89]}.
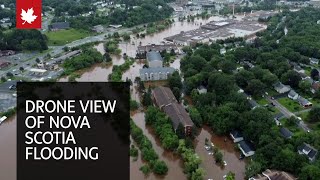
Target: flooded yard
{"type": "Point", "coordinates": [230, 155]}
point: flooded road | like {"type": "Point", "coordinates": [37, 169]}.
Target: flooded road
{"type": "Point", "coordinates": [8, 149]}
{"type": "Point", "coordinates": [230, 155]}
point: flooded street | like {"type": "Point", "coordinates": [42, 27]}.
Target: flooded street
{"type": "Point", "coordinates": [8, 149]}
{"type": "Point", "coordinates": [230, 155]}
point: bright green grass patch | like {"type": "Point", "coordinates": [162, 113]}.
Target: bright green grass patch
{"type": "Point", "coordinates": [62, 37]}
{"type": "Point", "coordinates": [262, 101]}
{"type": "Point", "coordinates": [291, 105]}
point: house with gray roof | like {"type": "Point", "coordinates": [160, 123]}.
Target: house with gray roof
{"type": "Point", "coordinates": [167, 102]}
{"type": "Point", "coordinates": [236, 136]}
{"type": "Point", "coordinates": [155, 71]}
{"type": "Point", "coordinates": [298, 69]}
{"type": "Point", "coordinates": [163, 96]}
{"type": "Point", "coordinates": [178, 115]}
{"type": "Point", "coordinates": [281, 88]}
{"type": "Point", "coordinates": [293, 95]}
{"type": "Point", "coordinates": [309, 151]}
{"type": "Point", "coordinates": [202, 90]}
{"type": "Point", "coordinates": [155, 74]}
{"type": "Point", "coordinates": [59, 26]}
{"type": "Point", "coordinates": [246, 148]}
{"type": "Point", "coordinates": [314, 61]}
{"type": "Point", "coordinates": [154, 59]}
{"type": "Point", "coordinates": [286, 133]}
{"type": "Point", "coordinates": [304, 102]}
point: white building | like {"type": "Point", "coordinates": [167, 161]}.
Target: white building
{"type": "Point", "coordinates": [293, 95]}
{"type": "Point", "coordinates": [155, 74]}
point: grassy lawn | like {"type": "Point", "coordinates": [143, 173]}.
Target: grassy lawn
{"type": "Point", "coordinates": [307, 71]}
{"type": "Point", "coordinates": [291, 105]}
{"type": "Point", "coordinates": [62, 37]}
{"type": "Point", "coordinates": [273, 110]}
{"type": "Point", "coordinates": [293, 128]}
{"type": "Point", "coordinates": [262, 101]}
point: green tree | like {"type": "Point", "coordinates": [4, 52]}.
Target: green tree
{"type": "Point", "coordinates": [9, 74]}
{"type": "Point", "coordinates": [314, 115]}
{"type": "Point", "coordinates": [253, 168]}
{"type": "Point", "coordinates": [315, 74]}
{"type": "Point", "coordinates": [146, 98]}
{"type": "Point", "coordinates": [256, 87]}
{"type": "Point", "coordinates": [195, 116]}
{"type": "Point", "coordinates": [107, 57]}
{"type": "Point", "coordinates": [218, 157]}
{"type": "Point", "coordinates": [175, 80]}
{"type": "Point", "coordinates": [198, 174]}
{"type": "Point", "coordinates": [310, 172]}
{"type": "Point", "coordinates": [291, 78]}
{"type": "Point", "coordinates": [228, 66]}
{"type": "Point", "coordinates": [230, 176]}
{"type": "Point", "coordinates": [145, 169]}
{"type": "Point", "coordinates": [177, 93]}
{"type": "Point", "coordinates": [160, 167]}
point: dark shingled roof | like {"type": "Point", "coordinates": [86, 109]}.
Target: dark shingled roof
{"type": "Point", "coordinates": [163, 96]}
{"type": "Point", "coordinates": [154, 56]}
{"type": "Point", "coordinates": [285, 133]}
{"type": "Point", "coordinates": [60, 25]}
{"type": "Point", "coordinates": [178, 114]}
{"type": "Point", "coordinates": [303, 101]}
{"type": "Point", "coordinates": [236, 134]}
{"type": "Point", "coordinates": [306, 147]}
{"type": "Point", "coordinates": [246, 146]}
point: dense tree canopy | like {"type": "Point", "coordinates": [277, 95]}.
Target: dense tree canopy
{"type": "Point", "coordinates": [23, 40]}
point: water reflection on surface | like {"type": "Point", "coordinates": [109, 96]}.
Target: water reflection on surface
{"type": "Point", "coordinates": [8, 149]}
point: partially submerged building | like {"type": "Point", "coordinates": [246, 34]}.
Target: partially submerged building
{"type": "Point", "coordinates": [155, 74]}
{"type": "Point", "coordinates": [155, 71]}
{"type": "Point", "coordinates": [217, 30]}
{"type": "Point", "coordinates": [246, 148]}
{"type": "Point", "coordinates": [236, 136]}
{"type": "Point", "coordinates": [166, 101]}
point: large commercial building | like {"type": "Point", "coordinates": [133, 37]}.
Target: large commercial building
{"type": "Point", "coordinates": [166, 101]}
{"type": "Point", "coordinates": [155, 71]}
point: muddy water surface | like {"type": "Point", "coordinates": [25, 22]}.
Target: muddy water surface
{"type": "Point", "coordinates": [8, 149]}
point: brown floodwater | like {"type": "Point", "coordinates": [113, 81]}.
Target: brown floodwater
{"type": "Point", "coordinates": [8, 149]}
{"type": "Point", "coordinates": [173, 161]}
{"type": "Point", "coordinates": [230, 155]}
